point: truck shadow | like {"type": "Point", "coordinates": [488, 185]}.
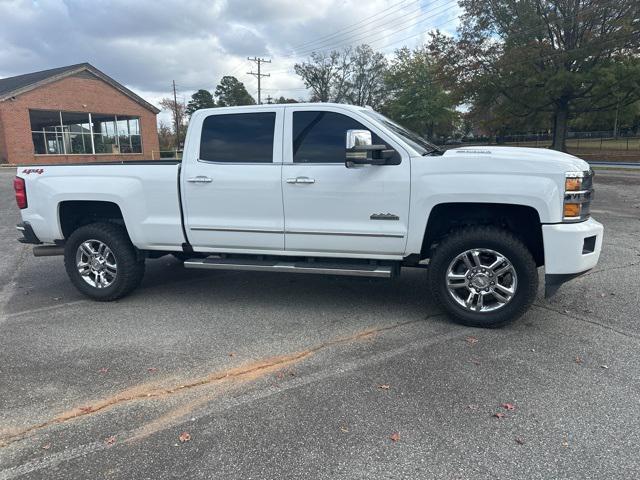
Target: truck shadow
{"type": "Point", "coordinates": [405, 295]}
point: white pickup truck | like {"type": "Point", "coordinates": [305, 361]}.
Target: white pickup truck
{"type": "Point", "coordinates": [323, 188]}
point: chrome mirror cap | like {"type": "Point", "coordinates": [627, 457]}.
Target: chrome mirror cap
{"type": "Point", "coordinates": [358, 138]}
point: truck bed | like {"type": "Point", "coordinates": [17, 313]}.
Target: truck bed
{"type": "Point", "coordinates": [146, 192]}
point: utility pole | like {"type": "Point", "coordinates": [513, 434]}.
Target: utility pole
{"type": "Point", "coordinates": [175, 116]}
{"type": "Point", "coordinates": [259, 75]}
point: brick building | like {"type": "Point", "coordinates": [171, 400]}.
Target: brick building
{"type": "Point", "coordinates": [73, 114]}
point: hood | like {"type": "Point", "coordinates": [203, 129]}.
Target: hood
{"type": "Point", "coordinates": [538, 160]}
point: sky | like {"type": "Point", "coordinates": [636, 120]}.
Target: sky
{"type": "Point", "coordinates": [146, 44]}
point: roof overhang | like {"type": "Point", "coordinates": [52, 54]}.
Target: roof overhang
{"type": "Point", "coordinates": [74, 71]}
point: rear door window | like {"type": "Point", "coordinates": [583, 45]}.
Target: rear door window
{"type": "Point", "coordinates": [238, 138]}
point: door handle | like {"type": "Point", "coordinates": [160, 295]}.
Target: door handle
{"type": "Point", "coordinates": [200, 179]}
{"type": "Point", "coordinates": [301, 180]}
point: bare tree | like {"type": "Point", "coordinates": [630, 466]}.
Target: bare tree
{"type": "Point", "coordinates": [366, 82]}
{"type": "Point", "coordinates": [327, 75]}
{"type": "Point", "coordinates": [178, 114]}
{"type": "Point", "coordinates": [166, 137]}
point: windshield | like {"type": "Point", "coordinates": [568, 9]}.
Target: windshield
{"type": "Point", "coordinates": [419, 144]}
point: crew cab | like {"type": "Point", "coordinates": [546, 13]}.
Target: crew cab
{"type": "Point", "coordinates": [323, 188]}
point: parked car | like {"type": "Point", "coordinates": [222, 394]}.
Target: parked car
{"type": "Point", "coordinates": [323, 188]}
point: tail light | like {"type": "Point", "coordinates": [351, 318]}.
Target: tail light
{"type": "Point", "coordinates": [21, 192]}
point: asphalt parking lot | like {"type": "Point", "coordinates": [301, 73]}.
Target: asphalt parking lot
{"type": "Point", "coordinates": [255, 375]}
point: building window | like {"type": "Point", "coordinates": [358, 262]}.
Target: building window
{"type": "Point", "coordinates": [77, 133]}
{"type": "Point", "coordinates": [76, 128]}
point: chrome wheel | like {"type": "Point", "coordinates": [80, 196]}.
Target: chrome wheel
{"type": "Point", "coordinates": [96, 263]}
{"type": "Point", "coordinates": [481, 280]}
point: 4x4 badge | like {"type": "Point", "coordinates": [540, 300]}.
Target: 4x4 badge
{"type": "Point", "coordinates": [384, 216]}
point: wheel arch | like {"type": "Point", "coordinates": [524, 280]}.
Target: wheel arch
{"type": "Point", "coordinates": [521, 220]}
{"type": "Point", "coordinates": [73, 214]}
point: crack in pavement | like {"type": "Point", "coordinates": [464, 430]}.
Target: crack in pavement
{"type": "Point", "coordinates": [148, 392]}
{"type": "Point", "coordinates": [8, 289]}
{"type": "Point", "coordinates": [228, 402]}
{"type": "Point", "coordinates": [607, 269]}
{"type": "Point", "coordinates": [588, 320]}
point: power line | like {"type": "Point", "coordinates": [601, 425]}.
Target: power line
{"type": "Point", "coordinates": [259, 75]}
{"type": "Point", "coordinates": [411, 18]}
{"type": "Point", "coordinates": [361, 38]}
{"type": "Point", "coordinates": [351, 27]}
{"type": "Point", "coordinates": [322, 41]}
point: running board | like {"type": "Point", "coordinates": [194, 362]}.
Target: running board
{"type": "Point", "coordinates": [317, 267]}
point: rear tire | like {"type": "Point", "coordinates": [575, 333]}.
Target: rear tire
{"type": "Point", "coordinates": [102, 262]}
{"type": "Point", "coordinates": [483, 276]}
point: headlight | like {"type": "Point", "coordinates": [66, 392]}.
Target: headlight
{"type": "Point", "coordinates": [578, 192]}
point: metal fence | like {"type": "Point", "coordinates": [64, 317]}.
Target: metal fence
{"type": "Point", "coordinates": [583, 141]}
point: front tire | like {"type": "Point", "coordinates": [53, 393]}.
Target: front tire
{"type": "Point", "coordinates": [483, 276]}
{"type": "Point", "coordinates": [102, 262]}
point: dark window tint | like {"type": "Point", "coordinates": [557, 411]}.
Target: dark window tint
{"type": "Point", "coordinates": [320, 137]}
{"type": "Point", "coordinates": [239, 137]}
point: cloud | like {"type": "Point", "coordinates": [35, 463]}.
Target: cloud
{"type": "Point", "coordinates": [147, 44]}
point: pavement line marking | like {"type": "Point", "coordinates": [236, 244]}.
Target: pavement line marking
{"type": "Point", "coordinates": [151, 391]}
{"type": "Point", "coordinates": [587, 320]}
{"type": "Point", "coordinates": [228, 403]}
{"type": "Point", "coordinates": [44, 309]}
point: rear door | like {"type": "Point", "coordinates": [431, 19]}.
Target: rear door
{"type": "Point", "coordinates": [360, 211]}
{"type": "Point", "coordinates": [231, 180]}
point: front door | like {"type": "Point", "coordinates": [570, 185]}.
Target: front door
{"type": "Point", "coordinates": [334, 209]}
{"type": "Point", "coordinates": [231, 188]}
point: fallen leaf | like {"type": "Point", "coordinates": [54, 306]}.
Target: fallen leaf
{"type": "Point", "coordinates": [499, 415]}
{"type": "Point", "coordinates": [152, 370]}
{"type": "Point", "coordinates": [103, 370]}
{"type": "Point", "coordinates": [184, 437]}
{"type": "Point", "coordinates": [344, 429]}
{"type": "Point", "coordinates": [508, 406]}
{"type": "Point", "coordinates": [471, 340]}
{"type": "Point", "coordinates": [384, 386]}
{"type": "Point", "coordinates": [46, 446]}
{"type": "Point", "coordinates": [578, 359]}
{"type": "Point", "coordinates": [232, 354]}
{"type": "Point", "coordinates": [88, 409]}
{"type": "Point", "coordinates": [565, 441]}
{"type": "Point", "coordinates": [110, 440]}
{"type": "Point", "coordinates": [395, 437]}
{"type": "Point", "coordinates": [519, 441]}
